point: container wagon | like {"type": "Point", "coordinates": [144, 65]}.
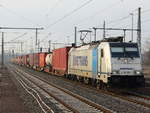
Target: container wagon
{"type": "Point", "coordinates": [48, 61]}
{"type": "Point", "coordinates": [26, 60]}
{"type": "Point", "coordinates": [60, 61]}
{"type": "Point", "coordinates": [31, 60]}
{"type": "Point", "coordinates": [36, 61]}
{"type": "Point", "coordinates": [19, 60]}
{"type": "Point", "coordinates": [42, 60]}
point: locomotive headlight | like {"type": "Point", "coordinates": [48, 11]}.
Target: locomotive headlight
{"type": "Point", "coordinates": [115, 72]}
{"type": "Point", "coordinates": [138, 72]}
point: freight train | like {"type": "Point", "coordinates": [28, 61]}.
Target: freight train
{"type": "Point", "coordinates": [103, 63]}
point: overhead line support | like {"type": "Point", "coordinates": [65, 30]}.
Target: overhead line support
{"type": "Point", "coordinates": [118, 29]}
{"type": "Point", "coordinates": [17, 28]}
{"type": "Point", "coordinates": [2, 49]}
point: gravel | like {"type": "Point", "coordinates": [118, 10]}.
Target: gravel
{"type": "Point", "coordinates": [30, 103]}
{"type": "Point", "coordinates": [110, 102]}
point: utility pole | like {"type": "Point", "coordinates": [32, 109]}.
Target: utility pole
{"type": "Point", "coordinates": [36, 34]}
{"type": "Point", "coordinates": [139, 29]}
{"type": "Point", "coordinates": [2, 49]}
{"type": "Point", "coordinates": [124, 34]}
{"type": "Point", "coordinates": [132, 27]}
{"type": "Point", "coordinates": [21, 46]}
{"type": "Point", "coordinates": [13, 53]}
{"type": "Point", "coordinates": [49, 49]}
{"type": "Point", "coordinates": [38, 46]}
{"type": "Point", "coordinates": [41, 49]}
{"type": "Point", "coordinates": [94, 33]}
{"type": "Point", "coordinates": [104, 34]}
{"type": "Point", "coordinates": [19, 28]}
{"type": "Point", "coordinates": [75, 36]}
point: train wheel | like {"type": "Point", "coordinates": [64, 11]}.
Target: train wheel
{"type": "Point", "coordinates": [65, 76]}
{"type": "Point", "coordinates": [81, 79]}
{"type": "Point", "coordinates": [98, 84]}
{"type": "Point", "coordinates": [93, 82]}
{"type": "Point", "coordinates": [86, 80]}
{"type": "Point", "coordinates": [73, 77]}
{"type": "Point", "coordinates": [78, 78]}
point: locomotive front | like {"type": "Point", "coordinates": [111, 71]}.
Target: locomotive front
{"type": "Point", "coordinates": [126, 67]}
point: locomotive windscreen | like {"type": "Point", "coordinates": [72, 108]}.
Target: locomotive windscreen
{"type": "Point", "coordinates": [124, 50]}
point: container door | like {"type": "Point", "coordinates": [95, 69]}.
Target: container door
{"type": "Point", "coordinates": [94, 63]}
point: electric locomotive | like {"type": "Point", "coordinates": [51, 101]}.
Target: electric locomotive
{"type": "Point", "coordinates": [107, 63]}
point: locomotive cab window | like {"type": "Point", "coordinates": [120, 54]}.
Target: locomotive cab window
{"type": "Point", "coordinates": [102, 53]}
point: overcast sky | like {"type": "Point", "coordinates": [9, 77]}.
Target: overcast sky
{"type": "Point", "coordinates": [58, 18]}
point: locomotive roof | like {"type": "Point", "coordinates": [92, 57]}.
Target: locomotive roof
{"type": "Point", "coordinates": [120, 44]}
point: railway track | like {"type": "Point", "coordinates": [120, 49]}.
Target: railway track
{"type": "Point", "coordinates": [125, 95]}
{"type": "Point", "coordinates": [130, 100]}
{"type": "Point", "coordinates": [144, 101]}
{"type": "Point", "coordinates": [35, 92]}
{"type": "Point", "coordinates": [135, 94]}
{"type": "Point", "coordinates": [74, 102]}
{"type": "Point", "coordinates": [35, 95]}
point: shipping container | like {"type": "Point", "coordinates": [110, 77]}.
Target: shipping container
{"type": "Point", "coordinates": [14, 60]}
{"type": "Point", "coordinates": [60, 60]}
{"type": "Point", "coordinates": [36, 60]}
{"type": "Point", "coordinates": [42, 62]}
{"type": "Point", "coordinates": [21, 57]}
{"type": "Point", "coordinates": [26, 60]}
{"type": "Point", "coordinates": [19, 60]}
{"type": "Point", "coordinates": [31, 60]}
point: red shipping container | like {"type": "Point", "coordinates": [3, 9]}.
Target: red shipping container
{"type": "Point", "coordinates": [31, 61]}
{"type": "Point", "coordinates": [21, 57]}
{"type": "Point", "coordinates": [27, 57]}
{"type": "Point", "coordinates": [42, 62]}
{"type": "Point", "coordinates": [60, 60]}
{"type": "Point", "coordinates": [36, 59]}
{"type": "Point", "coordinates": [26, 60]}
{"type": "Point", "coordinates": [19, 60]}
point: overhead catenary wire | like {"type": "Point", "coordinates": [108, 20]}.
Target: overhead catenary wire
{"type": "Point", "coordinates": [117, 20]}
{"type": "Point", "coordinates": [69, 14]}
{"type": "Point", "coordinates": [20, 36]}
{"type": "Point", "coordinates": [126, 17]}
{"type": "Point", "coordinates": [52, 9]}
{"type": "Point", "coordinates": [46, 37]}
{"type": "Point", "coordinates": [103, 10]}
{"type": "Point", "coordinates": [99, 12]}
{"type": "Point", "coordinates": [144, 21]}
{"type": "Point", "coordinates": [20, 16]}
{"type": "Point", "coordinates": [73, 11]}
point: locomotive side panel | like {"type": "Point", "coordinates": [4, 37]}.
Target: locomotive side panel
{"type": "Point", "coordinates": [83, 61]}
